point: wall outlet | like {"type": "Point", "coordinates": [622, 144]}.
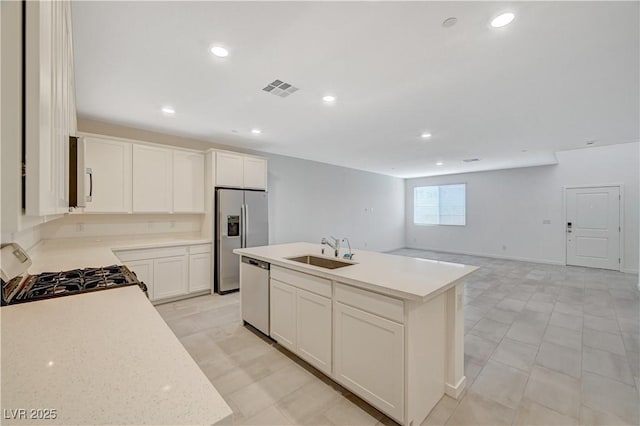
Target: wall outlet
{"type": "Point", "coordinates": [504, 248]}
{"type": "Point", "coordinates": [172, 224]}
{"type": "Point", "coordinates": [79, 227]}
{"type": "Point", "coordinates": [546, 221]}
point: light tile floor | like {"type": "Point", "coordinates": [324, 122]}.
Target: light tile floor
{"type": "Point", "coordinates": [544, 345]}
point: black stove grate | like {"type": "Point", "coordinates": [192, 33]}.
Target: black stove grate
{"type": "Point", "coordinates": [55, 284]}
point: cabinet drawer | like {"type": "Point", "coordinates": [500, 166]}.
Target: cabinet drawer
{"type": "Point", "coordinates": [321, 286]}
{"type": "Point", "coordinates": [377, 304]}
{"type": "Point", "coordinates": [200, 248]}
{"type": "Point", "coordinates": [128, 255]}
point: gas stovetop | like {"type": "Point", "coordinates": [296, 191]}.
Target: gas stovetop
{"type": "Point", "coordinates": [55, 284]}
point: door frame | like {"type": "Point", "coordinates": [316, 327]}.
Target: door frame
{"type": "Point", "coordinates": [620, 186]}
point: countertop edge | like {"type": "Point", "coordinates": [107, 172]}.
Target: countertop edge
{"type": "Point", "coordinates": [356, 283]}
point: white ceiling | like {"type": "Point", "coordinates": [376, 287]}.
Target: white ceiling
{"type": "Point", "coordinates": [561, 74]}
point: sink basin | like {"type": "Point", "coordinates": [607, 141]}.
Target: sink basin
{"type": "Point", "coordinates": [322, 262]}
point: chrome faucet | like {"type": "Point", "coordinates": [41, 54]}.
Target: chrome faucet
{"type": "Point", "coordinates": [350, 254]}
{"type": "Point", "coordinates": [335, 245]}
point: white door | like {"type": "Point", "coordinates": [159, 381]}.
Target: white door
{"type": "Point", "coordinates": [314, 330]}
{"type": "Point", "coordinates": [144, 272]}
{"type": "Point", "coordinates": [369, 358]}
{"type": "Point", "coordinates": [255, 173]}
{"type": "Point", "coordinates": [593, 227]}
{"type": "Point", "coordinates": [152, 179]}
{"type": "Point", "coordinates": [188, 182]}
{"type": "Point", "coordinates": [107, 176]}
{"type": "Point", "coordinates": [229, 170]}
{"type": "Point", "coordinates": [169, 277]}
{"type": "Point", "coordinates": [200, 272]}
{"type": "Point", "coordinates": [282, 304]}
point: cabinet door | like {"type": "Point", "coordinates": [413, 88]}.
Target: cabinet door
{"type": "Point", "coordinates": [282, 307]}
{"type": "Point", "coordinates": [144, 271]}
{"type": "Point", "coordinates": [200, 272]}
{"type": "Point", "coordinates": [108, 176]}
{"type": "Point", "coordinates": [255, 173]}
{"type": "Point", "coordinates": [188, 182]}
{"type": "Point", "coordinates": [46, 105]}
{"type": "Point", "coordinates": [314, 329]}
{"type": "Point", "coordinates": [369, 358]}
{"type": "Point", "coordinates": [152, 180]}
{"type": "Point", "coordinates": [229, 170]}
{"type": "Point", "coordinates": [169, 277]}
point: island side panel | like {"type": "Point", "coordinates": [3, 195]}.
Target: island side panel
{"type": "Point", "coordinates": [426, 350]}
{"type": "Point", "coordinates": [455, 378]}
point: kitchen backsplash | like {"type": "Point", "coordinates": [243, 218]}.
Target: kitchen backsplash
{"type": "Point", "coordinates": [87, 225]}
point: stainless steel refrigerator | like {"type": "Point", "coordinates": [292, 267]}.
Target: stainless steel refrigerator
{"type": "Point", "coordinates": [241, 221]}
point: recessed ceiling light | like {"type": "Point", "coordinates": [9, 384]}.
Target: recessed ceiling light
{"type": "Point", "coordinates": [425, 135]}
{"type": "Point", "coordinates": [329, 99]}
{"type": "Point", "coordinates": [590, 142]}
{"type": "Point", "coordinates": [168, 110]}
{"type": "Point", "coordinates": [256, 131]}
{"type": "Point", "coordinates": [219, 51]}
{"type": "Point", "coordinates": [502, 20]}
{"type": "Point", "coordinates": [439, 163]}
{"type": "Point", "coordinates": [524, 150]}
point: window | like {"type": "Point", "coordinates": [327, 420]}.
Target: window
{"type": "Point", "coordinates": [440, 205]}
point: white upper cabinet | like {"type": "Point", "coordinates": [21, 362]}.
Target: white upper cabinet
{"type": "Point", "coordinates": [240, 171]}
{"type": "Point", "coordinates": [188, 182]}
{"type": "Point", "coordinates": [152, 179]}
{"type": "Point", "coordinates": [107, 175]}
{"type": "Point", "coordinates": [255, 173]}
{"type": "Point", "coordinates": [49, 106]}
{"type": "Point", "coordinates": [229, 170]}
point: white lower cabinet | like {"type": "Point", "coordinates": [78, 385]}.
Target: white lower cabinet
{"type": "Point", "coordinates": [283, 313]}
{"type": "Point", "coordinates": [170, 277]}
{"type": "Point", "coordinates": [199, 272]}
{"type": "Point", "coordinates": [300, 314]}
{"type": "Point", "coordinates": [354, 336]}
{"type": "Point", "coordinates": [171, 272]}
{"type": "Point", "coordinates": [314, 329]}
{"type": "Point", "coordinates": [144, 271]}
{"type": "Point", "coordinates": [369, 358]}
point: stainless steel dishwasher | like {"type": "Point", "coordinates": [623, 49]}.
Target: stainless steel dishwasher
{"type": "Point", "coordinates": [254, 293]}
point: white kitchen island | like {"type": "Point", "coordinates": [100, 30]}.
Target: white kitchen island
{"type": "Point", "coordinates": [105, 357]}
{"type": "Point", "coordinates": [388, 328]}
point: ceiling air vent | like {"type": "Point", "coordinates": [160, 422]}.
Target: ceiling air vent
{"type": "Point", "coordinates": [471, 160]}
{"type": "Point", "coordinates": [280, 88]}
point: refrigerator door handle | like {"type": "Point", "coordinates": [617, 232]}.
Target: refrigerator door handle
{"type": "Point", "coordinates": [246, 223]}
{"type": "Point", "coordinates": [242, 225]}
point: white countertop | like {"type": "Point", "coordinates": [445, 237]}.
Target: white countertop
{"type": "Point", "coordinates": [101, 358]}
{"type": "Point", "coordinates": [73, 253]}
{"type": "Point", "coordinates": [399, 276]}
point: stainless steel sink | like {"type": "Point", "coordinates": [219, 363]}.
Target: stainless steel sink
{"type": "Point", "coordinates": [322, 262]}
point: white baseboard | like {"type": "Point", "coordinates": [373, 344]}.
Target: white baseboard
{"type": "Point", "coordinates": [493, 256]}
{"type": "Point", "coordinates": [520, 259]}
{"type": "Point", "coordinates": [454, 391]}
